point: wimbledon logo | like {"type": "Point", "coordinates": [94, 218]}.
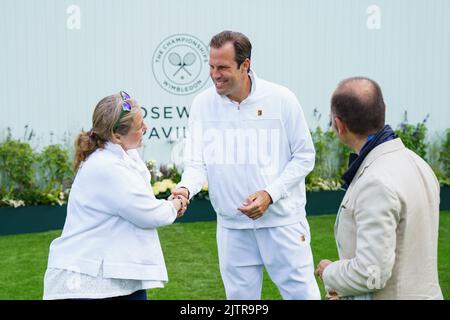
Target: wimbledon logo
{"type": "Point", "coordinates": [180, 64]}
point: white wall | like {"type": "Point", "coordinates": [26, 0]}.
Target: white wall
{"type": "Point", "coordinates": [52, 76]}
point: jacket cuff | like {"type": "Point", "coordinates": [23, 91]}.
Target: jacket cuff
{"type": "Point", "coordinates": [275, 192]}
{"type": "Point", "coordinates": [174, 210]}
{"type": "Point", "coordinates": [329, 276]}
{"type": "Point", "coordinates": [326, 273]}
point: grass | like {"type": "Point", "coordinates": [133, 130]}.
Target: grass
{"type": "Point", "coordinates": [191, 257]}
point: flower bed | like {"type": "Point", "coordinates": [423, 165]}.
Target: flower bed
{"type": "Point", "coordinates": [31, 219]}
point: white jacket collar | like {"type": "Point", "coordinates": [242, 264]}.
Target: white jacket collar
{"type": "Point", "coordinates": [131, 157]}
{"type": "Point", "coordinates": [254, 79]}
{"type": "Point", "coordinates": [116, 149]}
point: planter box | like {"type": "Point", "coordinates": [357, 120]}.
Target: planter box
{"type": "Point", "coordinates": [199, 210]}
{"type": "Point", "coordinates": [318, 203]}
{"type": "Point", "coordinates": [323, 202]}
{"type": "Point", "coordinates": [45, 218]}
{"type": "Point", "coordinates": [31, 219]}
{"type": "Point", "coordinates": [445, 199]}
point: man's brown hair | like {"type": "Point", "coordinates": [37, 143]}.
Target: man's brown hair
{"type": "Point", "coordinates": [242, 45]}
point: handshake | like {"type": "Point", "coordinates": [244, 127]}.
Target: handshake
{"type": "Point", "coordinates": [253, 207]}
{"type": "Point", "coordinates": [180, 200]}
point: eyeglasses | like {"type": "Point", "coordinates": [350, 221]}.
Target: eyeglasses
{"type": "Point", "coordinates": [126, 107]}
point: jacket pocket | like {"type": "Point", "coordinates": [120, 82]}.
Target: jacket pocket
{"type": "Point", "coordinates": [345, 229]}
{"type": "Point", "coordinates": [344, 215]}
{"type": "Point", "coordinates": [305, 229]}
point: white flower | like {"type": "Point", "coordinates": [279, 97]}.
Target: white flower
{"type": "Point", "coordinates": [14, 203]}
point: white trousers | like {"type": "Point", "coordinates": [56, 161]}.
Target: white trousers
{"type": "Point", "coordinates": [284, 251]}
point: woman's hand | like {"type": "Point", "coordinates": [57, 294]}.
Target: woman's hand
{"type": "Point", "coordinates": [180, 203]}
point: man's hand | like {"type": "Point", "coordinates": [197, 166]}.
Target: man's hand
{"type": "Point", "coordinates": [181, 191]}
{"type": "Point", "coordinates": [182, 194]}
{"type": "Point", "coordinates": [256, 204]}
{"type": "Point", "coordinates": [321, 267]}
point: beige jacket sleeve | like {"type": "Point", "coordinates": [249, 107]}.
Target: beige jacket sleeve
{"type": "Point", "coordinates": [376, 213]}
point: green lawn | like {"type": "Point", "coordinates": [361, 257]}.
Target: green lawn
{"type": "Point", "coordinates": [191, 259]}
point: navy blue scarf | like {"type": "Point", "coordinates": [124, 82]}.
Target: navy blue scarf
{"type": "Point", "coordinates": [383, 135]}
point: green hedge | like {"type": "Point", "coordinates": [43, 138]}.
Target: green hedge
{"type": "Point", "coordinates": [28, 177]}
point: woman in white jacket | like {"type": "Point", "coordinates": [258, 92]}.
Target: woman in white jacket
{"type": "Point", "coordinates": [109, 247]}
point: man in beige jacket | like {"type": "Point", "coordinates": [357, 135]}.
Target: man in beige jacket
{"type": "Point", "coordinates": [387, 226]}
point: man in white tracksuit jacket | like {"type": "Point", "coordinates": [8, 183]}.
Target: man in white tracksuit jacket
{"type": "Point", "coordinates": [248, 138]}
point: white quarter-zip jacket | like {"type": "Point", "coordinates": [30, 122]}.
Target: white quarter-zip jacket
{"type": "Point", "coordinates": [263, 143]}
{"type": "Point", "coordinates": [111, 222]}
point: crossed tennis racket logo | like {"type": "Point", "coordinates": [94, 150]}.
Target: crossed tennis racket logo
{"type": "Point", "coordinates": [187, 61]}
